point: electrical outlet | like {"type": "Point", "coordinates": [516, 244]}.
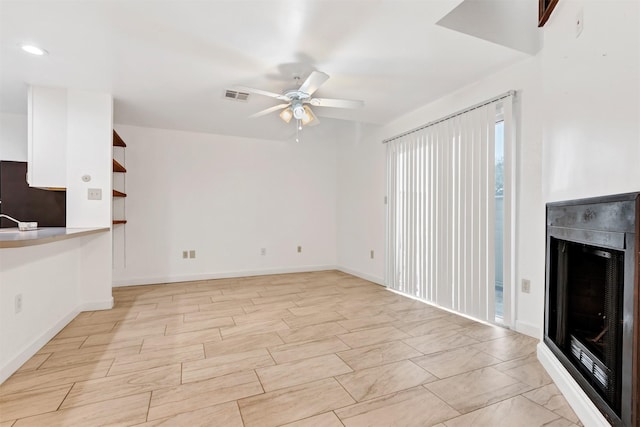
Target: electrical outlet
{"type": "Point", "coordinates": [526, 286]}
{"type": "Point", "coordinates": [263, 251]}
{"type": "Point", "coordinates": [185, 254]}
{"type": "Point", "coordinates": [299, 249]}
{"type": "Point", "coordinates": [94, 194]}
{"type": "Point", "coordinates": [192, 253]}
{"type": "Point", "coordinates": [18, 303]}
{"type": "Point", "coordinates": [372, 254]}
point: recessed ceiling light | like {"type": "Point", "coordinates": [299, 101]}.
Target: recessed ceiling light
{"type": "Point", "coordinates": [34, 50]}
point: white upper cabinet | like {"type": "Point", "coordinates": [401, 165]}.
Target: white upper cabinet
{"type": "Point", "coordinates": [47, 137]}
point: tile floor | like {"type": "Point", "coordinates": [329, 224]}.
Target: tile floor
{"type": "Point", "coordinates": [309, 349]}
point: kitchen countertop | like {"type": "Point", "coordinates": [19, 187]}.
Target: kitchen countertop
{"type": "Point", "coordinates": [13, 238]}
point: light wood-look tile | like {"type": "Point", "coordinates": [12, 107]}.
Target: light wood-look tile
{"type": "Point", "coordinates": [163, 342]}
{"type": "Point", "coordinates": [374, 382]}
{"type": "Point", "coordinates": [124, 335]}
{"type": "Point", "coordinates": [313, 332]}
{"type": "Point", "coordinates": [218, 366]}
{"type": "Point", "coordinates": [124, 411]}
{"type": "Point", "coordinates": [86, 355]}
{"type": "Point", "coordinates": [60, 344]}
{"type": "Point", "coordinates": [527, 370]}
{"type": "Point", "coordinates": [453, 362]}
{"type": "Point", "coordinates": [154, 359]}
{"type": "Point", "coordinates": [297, 322]}
{"type": "Point", "coordinates": [305, 350]}
{"type": "Point", "coordinates": [180, 326]}
{"type": "Point", "coordinates": [112, 387]}
{"type": "Point", "coordinates": [329, 348]}
{"type": "Point", "coordinates": [378, 354]}
{"type": "Point", "coordinates": [254, 328]}
{"type": "Point", "coordinates": [510, 347]}
{"type": "Point", "coordinates": [301, 371]}
{"type": "Point", "coordinates": [413, 407]}
{"type": "Point", "coordinates": [440, 341]}
{"type": "Point", "coordinates": [372, 336]}
{"type": "Point", "coordinates": [223, 415]}
{"type": "Point", "coordinates": [368, 322]}
{"type": "Point", "coordinates": [472, 390]}
{"type": "Point", "coordinates": [35, 362]}
{"type": "Point", "coordinates": [241, 344]}
{"type": "Point", "coordinates": [550, 397]}
{"type": "Point", "coordinates": [294, 403]}
{"type": "Point", "coordinates": [201, 394]}
{"type": "Point", "coordinates": [27, 403]}
{"type": "Point", "coordinates": [328, 419]}
{"type": "Point", "coordinates": [34, 380]}
{"type": "Point", "coordinates": [505, 414]}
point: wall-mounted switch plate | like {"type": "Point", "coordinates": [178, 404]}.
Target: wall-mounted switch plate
{"type": "Point", "coordinates": [299, 249]}
{"type": "Point", "coordinates": [263, 251]}
{"type": "Point", "coordinates": [372, 254]}
{"type": "Point", "coordinates": [192, 253]}
{"type": "Point", "coordinates": [94, 194]}
{"type": "Point", "coordinates": [526, 286]}
{"type": "Point", "coordinates": [185, 254]}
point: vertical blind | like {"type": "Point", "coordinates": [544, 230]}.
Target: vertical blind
{"type": "Point", "coordinates": [441, 211]}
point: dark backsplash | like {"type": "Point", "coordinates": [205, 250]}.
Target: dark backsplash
{"type": "Point", "coordinates": [24, 203]}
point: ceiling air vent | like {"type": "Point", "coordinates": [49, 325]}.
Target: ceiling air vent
{"type": "Point", "coordinates": [234, 94]}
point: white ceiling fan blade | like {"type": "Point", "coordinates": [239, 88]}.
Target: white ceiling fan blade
{"type": "Point", "coordinates": [336, 103]}
{"type": "Point", "coordinates": [263, 92]}
{"type": "Point", "coordinates": [313, 82]}
{"type": "Point", "coordinates": [268, 110]}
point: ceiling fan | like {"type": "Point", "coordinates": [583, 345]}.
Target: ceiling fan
{"type": "Point", "coordinates": [297, 101]}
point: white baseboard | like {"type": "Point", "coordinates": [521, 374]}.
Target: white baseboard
{"type": "Point", "coordinates": [97, 305]}
{"type": "Point", "coordinates": [588, 413]}
{"type": "Point", "coordinates": [223, 275]}
{"type": "Point", "coordinates": [13, 365]}
{"type": "Point", "coordinates": [375, 279]}
{"type": "Point", "coordinates": [528, 329]}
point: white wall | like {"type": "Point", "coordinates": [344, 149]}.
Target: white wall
{"type": "Point", "coordinates": [592, 93]}
{"type": "Point", "coordinates": [13, 137]}
{"type": "Point", "coordinates": [88, 145]}
{"type": "Point", "coordinates": [226, 198]}
{"type": "Point", "coordinates": [56, 280]}
{"type": "Point", "coordinates": [362, 185]}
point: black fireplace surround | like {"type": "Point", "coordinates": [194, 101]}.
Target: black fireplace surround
{"type": "Point", "coordinates": [591, 262]}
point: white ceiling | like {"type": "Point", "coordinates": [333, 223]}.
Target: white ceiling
{"type": "Point", "coordinates": [167, 63]}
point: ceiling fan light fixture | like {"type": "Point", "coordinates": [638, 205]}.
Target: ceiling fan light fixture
{"type": "Point", "coordinates": [286, 114]}
{"type": "Point", "coordinates": [308, 116]}
{"type": "Point", "coordinates": [298, 111]}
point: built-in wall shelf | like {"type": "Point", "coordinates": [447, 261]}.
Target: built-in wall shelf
{"type": "Point", "coordinates": [119, 180]}
{"type": "Point", "coordinates": [117, 167]}
{"type": "Point", "coordinates": [117, 141]}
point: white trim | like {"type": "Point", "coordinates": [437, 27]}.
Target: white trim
{"type": "Point", "coordinates": [375, 279]}
{"type": "Point", "coordinates": [588, 413]}
{"type": "Point", "coordinates": [14, 364]}
{"type": "Point", "coordinates": [528, 329]}
{"type": "Point", "coordinates": [97, 305]}
{"type": "Point", "coordinates": [223, 275]}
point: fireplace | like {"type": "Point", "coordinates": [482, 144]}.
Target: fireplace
{"type": "Point", "coordinates": [591, 287]}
